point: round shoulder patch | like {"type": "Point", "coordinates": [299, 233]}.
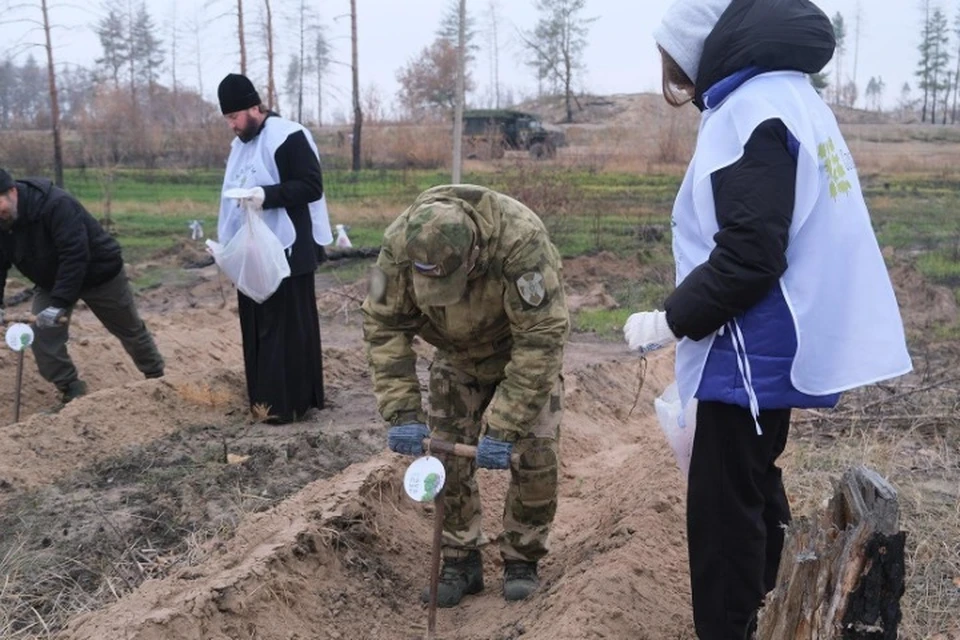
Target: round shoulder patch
{"type": "Point", "coordinates": [531, 288]}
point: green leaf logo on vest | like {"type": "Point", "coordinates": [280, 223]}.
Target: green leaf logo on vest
{"type": "Point", "coordinates": [839, 185]}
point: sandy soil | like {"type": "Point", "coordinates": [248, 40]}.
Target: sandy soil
{"type": "Point", "coordinates": [163, 511]}
{"type": "Point", "coordinates": [284, 539]}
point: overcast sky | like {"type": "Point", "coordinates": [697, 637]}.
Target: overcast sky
{"type": "Point", "coordinates": [620, 56]}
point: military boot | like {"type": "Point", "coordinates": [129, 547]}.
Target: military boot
{"type": "Point", "coordinates": [73, 391]}
{"type": "Point", "coordinates": [459, 577]}
{"type": "Point", "coordinates": [519, 579]}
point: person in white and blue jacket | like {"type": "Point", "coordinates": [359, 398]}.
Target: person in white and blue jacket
{"type": "Point", "coordinates": [783, 299]}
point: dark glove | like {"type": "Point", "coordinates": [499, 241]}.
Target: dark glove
{"type": "Point", "coordinates": [408, 438]}
{"type": "Point", "coordinates": [49, 317]}
{"type": "Point", "coordinates": [494, 454]}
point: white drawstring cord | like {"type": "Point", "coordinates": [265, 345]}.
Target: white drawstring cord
{"type": "Point", "coordinates": [743, 363]}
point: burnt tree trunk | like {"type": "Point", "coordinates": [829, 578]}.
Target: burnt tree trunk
{"type": "Point", "coordinates": [842, 574]}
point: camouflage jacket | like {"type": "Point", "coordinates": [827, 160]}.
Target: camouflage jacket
{"type": "Point", "coordinates": [514, 311]}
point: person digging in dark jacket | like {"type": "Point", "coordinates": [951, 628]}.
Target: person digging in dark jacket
{"type": "Point", "coordinates": [55, 243]}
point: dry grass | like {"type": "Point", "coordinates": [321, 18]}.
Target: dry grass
{"type": "Point", "coordinates": [27, 609]}
{"type": "Point", "coordinates": [641, 134]}
{"type": "Point", "coordinates": [165, 209]}
{"type": "Point", "coordinates": [909, 434]}
{"type": "Point", "coordinates": [40, 593]}
{"type": "Point", "coordinates": [663, 146]}
{"type": "Point", "coordinates": [261, 412]}
{"type": "Point", "coordinates": [205, 395]}
{"type": "Point", "coordinates": [411, 146]}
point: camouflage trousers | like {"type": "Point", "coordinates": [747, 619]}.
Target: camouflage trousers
{"type": "Point", "coordinates": [458, 399]}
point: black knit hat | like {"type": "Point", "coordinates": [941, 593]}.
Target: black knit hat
{"type": "Point", "coordinates": [6, 181]}
{"type": "Point", "coordinates": [236, 93]}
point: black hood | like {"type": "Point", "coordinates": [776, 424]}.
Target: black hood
{"type": "Point", "coordinates": [773, 35]}
{"type": "Point", "coordinates": [32, 197]}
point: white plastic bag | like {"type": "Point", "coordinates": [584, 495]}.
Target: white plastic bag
{"type": "Point", "coordinates": [253, 258]}
{"type": "Point", "coordinates": [679, 426]}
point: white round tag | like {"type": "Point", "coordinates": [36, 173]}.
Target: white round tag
{"type": "Point", "coordinates": [424, 479]}
{"type": "Point", "coordinates": [19, 336]}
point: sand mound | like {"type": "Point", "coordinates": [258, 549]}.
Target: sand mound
{"type": "Point", "coordinates": [160, 508]}
{"type": "Point", "coordinates": [347, 556]}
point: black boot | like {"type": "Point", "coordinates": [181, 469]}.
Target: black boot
{"type": "Point", "coordinates": [519, 579]}
{"type": "Point", "coordinates": [73, 391]}
{"type": "Point", "coordinates": [459, 577]}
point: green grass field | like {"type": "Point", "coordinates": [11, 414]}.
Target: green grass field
{"type": "Point", "coordinates": [149, 211]}
{"type": "Point", "coordinates": [586, 212]}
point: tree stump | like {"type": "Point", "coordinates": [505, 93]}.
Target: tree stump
{"type": "Point", "coordinates": [841, 573]}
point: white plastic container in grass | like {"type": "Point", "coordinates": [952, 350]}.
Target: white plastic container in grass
{"type": "Point", "coordinates": [678, 426]}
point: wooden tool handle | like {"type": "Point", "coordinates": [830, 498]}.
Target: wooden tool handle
{"type": "Point", "coordinates": [442, 446]}
{"type": "Point", "coordinates": [30, 319]}
{"type": "Point", "coordinates": [460, 450]}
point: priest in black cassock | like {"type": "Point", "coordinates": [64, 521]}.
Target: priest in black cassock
{"type": "Point", "coordinates": [276, 160]}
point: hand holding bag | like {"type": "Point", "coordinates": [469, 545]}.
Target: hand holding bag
{"type": "Point", "coordinates": [253, 258]}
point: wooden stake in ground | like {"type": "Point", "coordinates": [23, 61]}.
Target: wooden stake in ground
{"type": "Point", "coordinates": [432, 446]}
{"type": "Point", "coordinates": [842, 573]}
{"type": "Point", "coordinates": [18, 337]}
{"type": "Point", "coordinates": [16, 399]}
{"type": "Point", "coordinates": [435, 565]}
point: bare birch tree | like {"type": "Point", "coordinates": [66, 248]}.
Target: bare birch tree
{"type": "Point", "coordinates": [304, 22]}
{"type": "Point", "coordinates": [174, 42]}
{"type": "Point", "coordinates": [54, 99]}
{"type": "Point", "coordinates": [458, 105]}
{"type": "Point", "coordinates": [956, 74]}
{"type": "Point", "coordinates": [195, 27]}
{"type": "Point", "coordinates": [858, 24]}
{"type": "Point", "coordinates": [268, 33]}
{"type": "Point", "coordinates": [493, 44]}
{"type": "Point", "coordinates": [28, 12]}
{"type": "Point", "coordinates": [321, 63]}
{"type": "Point", "coordinates": [241, 38]}
{"type": "Point", "coordinates": [355, 74]}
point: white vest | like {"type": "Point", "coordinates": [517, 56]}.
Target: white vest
{"type": "Point", "coordinates": [253, 164]}
{"type": "Point", "coordinates": [848, 326]}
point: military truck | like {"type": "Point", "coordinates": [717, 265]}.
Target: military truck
{"type": "Point", "coordinates": [488, 133]}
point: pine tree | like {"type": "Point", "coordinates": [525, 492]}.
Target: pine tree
{"type": "Point", "coordinates": [112, 32]}
{"type": "Point", "coordinates": [146, 52]}
{"type": "Point", "coordinates": [939, 60]}
{"type": "Point", "coordinates": [557, 43]}
{"type": "Point", "coordinates": [840, 35]}
{"type": "Point", "coordinates": [924, 66]}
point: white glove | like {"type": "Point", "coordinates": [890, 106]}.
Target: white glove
{"type": "Point", "coordinates": [49, 317]}
{"type": "Point", "coordinates": [647, 331]}
{"type": "Point", "coordinates": [250, 198]}
{"type": "Point", "coordinates": [255, 201]}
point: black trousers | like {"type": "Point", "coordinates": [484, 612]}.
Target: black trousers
{"type": "Point", "coordinates": [281, 350]}
{"type": "Point", "coordinates": [736, 509]}
{"type": "Point", "coordinates": [114, 305]}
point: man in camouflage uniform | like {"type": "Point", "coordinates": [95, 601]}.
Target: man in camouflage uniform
{"type": "Point", "coordinates": [473, 272]}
